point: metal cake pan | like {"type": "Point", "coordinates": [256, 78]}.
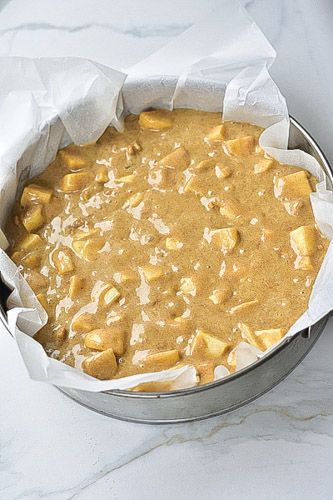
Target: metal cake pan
{"type": "Point", "coordinates": [225, 394]}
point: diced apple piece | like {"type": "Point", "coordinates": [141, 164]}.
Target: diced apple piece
{"type": "Point", "coordinates": [179, 158]}
{"type": "Point", "coordinates": [106, 338]}
{"type": "Point", "coordinates": [292, 186]}
{"type": "Point", "coordinates": [75, 182]}
{"type": "Point", "coordinates": [269, 337]}
{"type": "Point", "coordinates": [191, 185]}
{"type": "Point", "coordinates": [151, 272]}
{"type": "Point", "coordinates": [215, 347]}
{"type": "Point", "coordinates": [30, 242]}
{"type": "Point", "coordinates": [88, 249]}
{"type": "Point", "coordinates": [241, 307]}
{"type": "Point", "coordinates": [216, 134]}
{"type": "Point", "coordinates": [226, 238]}
{"type": "Point", "coordinates": [62, 260]}
{"type": "Point", "coordinates": [102, 365]}
{"type": "Point", "coordinates": [42, 299]}
{"type": "Point", "coordinates": [135, 200]}
{"type": "Point", "coordinates": [84, 235]}
{"type": "Point", "coordinates": [108, 295]}
{"type": "Point", "coordinates": [303, 240]}
{"type": "Point", "coordinates": [222, 294]}
{"type": "Point", "coordinates": [207, 345]}
{"type": "Point", "coordinates": [161, 360]}
{"type": "Point", "coordinates": [102, 174]}
{"type": "Point", "coordinates": [205, 164]}
{"type": "Point", "coordinates": [229, 209]}
{"type": "Point", "coordinates": [32, 260]}
{"type": "Point", "coordinates": [73, 161]}
{"type": "Point", "coordinates": [173, 244]}
{"type": "Point", "coordinates": [248, 334]}
{"type": "Point", "coordinates": [126, 179]}
{"type": "Point", "coordinates": [76, 284]}
{"type": "Point", "coordinates": [155, 120]}
{"type": "Point", "coordinates": [85, 322]}
{"type": "Point", "coordinates": [262, 166]}
{"type": "Point", "coordinates": [206, 372]}
{"type": "Point", "coordinates": [187, 286]}
{"type": "Point", "coordinates": [241, 146]}
{"type": "Point", "coordinates": [304, 263]}
{"type": "Point", "coordinates": [33, 218]}
{"type": "Point", "coordinates": [222, 171]}
{"type": "Point", "coordinates": [36, 194]}
{"type": "Point", "coordinates": [78, 247]}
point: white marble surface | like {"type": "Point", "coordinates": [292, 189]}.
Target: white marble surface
{"type": "Point", "coordinates": [280, 446]}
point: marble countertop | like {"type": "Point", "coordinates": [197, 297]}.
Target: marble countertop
{"type": "Point", "coordinates": [280, 446]}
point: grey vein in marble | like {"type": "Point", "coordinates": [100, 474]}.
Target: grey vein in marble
{"type": "Point", "coordinates": [141, 31]}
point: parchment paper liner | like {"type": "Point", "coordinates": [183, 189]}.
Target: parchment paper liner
{"type": "Point", "coordinates": [221, 63]}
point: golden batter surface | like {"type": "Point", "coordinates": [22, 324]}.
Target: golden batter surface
{"type": "Point", "coordinates": [166, 244]}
